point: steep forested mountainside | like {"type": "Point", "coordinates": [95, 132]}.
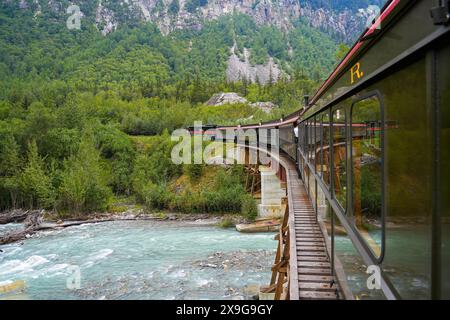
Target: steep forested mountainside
{"type": "Point", "coordinates": [37, 43]}
{"type": "Point", "coordinates": [341, 18]}
{"type": "Point", "coordinates": [255, 40]}
{"type": "Point", "coordinates": [70, 99]}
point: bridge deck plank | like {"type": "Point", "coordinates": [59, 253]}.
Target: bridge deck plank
{"type": "Point", "coordinates": [315, 277]}
{"type": "Point", "coordinates": [311, 275]}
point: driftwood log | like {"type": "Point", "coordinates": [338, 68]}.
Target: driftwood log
{"type": "Point", "coordinates": [32, 223]}
{"type": "Point", "coordinates": [15, 236]}
{"type": "Point", "coordinates": [14, 216]}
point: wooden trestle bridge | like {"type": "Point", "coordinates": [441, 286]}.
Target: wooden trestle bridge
{"type": "Point", "coordinates": [302, 267]}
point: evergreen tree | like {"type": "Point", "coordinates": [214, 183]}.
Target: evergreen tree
{"type": "Point", "coordinates": [341, 52]}
{"type": "Point", "coordinates": [84, 179]}
{"type": "Point", "coordinates": [35, 185]}
{"type": "Point", "coordinates": [174, 7]}
{"type": "Point", "coordinates": [10, 164]}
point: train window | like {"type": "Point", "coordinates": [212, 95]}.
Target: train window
{"type": "Point", "coordinates": [314, 144]}
{"type": "Point", "coordinates": [305, 145]}
{"type": "Point", "coordinates": [445, 171]}
{"type": "Point", "coordinates": [366, 132]}
{"type": "Point", "coordinates": [300, 137]}
{"type": "Point", "coordinates": [318, 146]}
{"type": "Point", "coordinates": [326, 148]}
{"type": "Point", "coordinates": [303, 139]}
{"type": "Point", "coordinates": [310, 140]}
{"type": "Point", "coordinates": [339, 157]}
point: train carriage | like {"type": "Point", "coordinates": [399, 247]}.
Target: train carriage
{"type": "Point", "coordinates": [376, 158]}
{"type": "Point", "coordinates": [373, 151]}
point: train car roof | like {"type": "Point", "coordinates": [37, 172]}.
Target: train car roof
{"type": "Point", "coordinates": [356, 49]}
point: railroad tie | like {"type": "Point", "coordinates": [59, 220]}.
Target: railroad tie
{"type": "Point", "coordinates": [315, 276]}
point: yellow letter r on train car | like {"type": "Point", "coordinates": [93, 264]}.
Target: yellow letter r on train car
{"type": "Point", "coordinates": [356, 71]}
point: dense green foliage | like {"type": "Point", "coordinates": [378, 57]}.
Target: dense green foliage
{"type": "Point", "coordinates": [139, 58]}
{"type": "Point", "coordinates": [161, 185]}
{"type": "Point", "coordinates": [71, 100]}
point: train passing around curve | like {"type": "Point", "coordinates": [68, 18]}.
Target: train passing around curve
{"type": "Point", "coordinates": [372, 147]}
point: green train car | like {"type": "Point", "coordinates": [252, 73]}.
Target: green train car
{"type": "Point", "coordinates": [374, 152]}
{"type": "Point", "coordinates": [372, 147]}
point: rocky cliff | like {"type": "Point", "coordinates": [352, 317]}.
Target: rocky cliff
{"type": "Point", "coordinates": [302, 36]}
{"type": "Point", "coordinates": [344, 21]}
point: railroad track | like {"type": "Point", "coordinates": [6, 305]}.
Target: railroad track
{"type": "Point", "coordinates": [315, 276]}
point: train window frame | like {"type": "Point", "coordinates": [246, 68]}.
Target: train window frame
{"type": "Point", "coordinates": [327, 112]}
{"type": "Point", "coordinates": [312, 123]}
{"type": "Point", "coordinates": [310, 138]}
{"type": "Point", "coordinates": [313, 143]}
{"type": "Point", "coordinates": [307, 141]}
{"type": "Point", "coordinates": [314, 154]}
{"type": "Point", "coordinates": [332, 185]}
{"type": "Point", "coordinates": [373, 94]}
{"type": "Point", "coordinates": [303, 138]}
{"type": "Point", "coordinates": [320, 170]}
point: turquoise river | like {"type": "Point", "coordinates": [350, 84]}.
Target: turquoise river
{"type": "Point", "coordinates": [138, 260]}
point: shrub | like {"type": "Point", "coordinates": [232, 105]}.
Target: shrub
{"type": "Point", "coordinates": [224, 200]}
{"type": "Point", "coordinates": [193, 171]}
{"type": "Point", "coordinates": [157, 196]}
{"type": "Point", "coordinates": [249, 208]}
{"type": "Point", "coordinates": [189, 202]}
{"type": "Point", "coordinates": [10, 164]}
{"type": "Point", "coordinates": [84, 185]}
{"type": "Point", "coordinates": [34, 184]}
{"type": "Point", "coordinates": [226, 223]}
{"type": "Point", "coordinates": [118, 148]}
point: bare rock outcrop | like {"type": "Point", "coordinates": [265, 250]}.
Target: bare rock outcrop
{"type": "Point", "coordinates": [283, 14]}
{"type": "Point", "coordinates": [220, 99]}
{"type": "Point", "coordinates": [240, 68]}
{"type": "Point", "coordinates": [223, 98]}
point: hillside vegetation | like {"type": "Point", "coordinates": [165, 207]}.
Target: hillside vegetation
{"type": "Point", "coordinates": [71, 102]}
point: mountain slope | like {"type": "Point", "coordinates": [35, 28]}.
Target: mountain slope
{"type": "Point", "coordinates": [343, 19]}
{"type": "Point", "coordinates": [165, 41]}
{"type": "Point", "coordinates": [41, 46]}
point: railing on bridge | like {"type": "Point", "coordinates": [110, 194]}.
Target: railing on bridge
{"type": "Point", "coordinates": [281, 269]}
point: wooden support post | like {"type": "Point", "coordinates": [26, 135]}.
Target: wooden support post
{"type": "Point", "coordinates": [280, 271]}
